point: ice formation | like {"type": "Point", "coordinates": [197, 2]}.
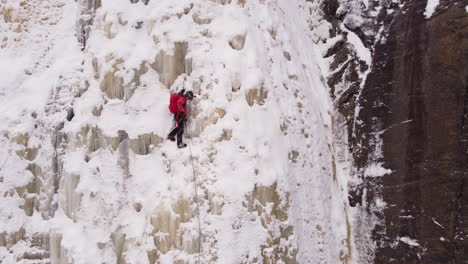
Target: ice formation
{"type": "Point", "coordinates": [87, 175]}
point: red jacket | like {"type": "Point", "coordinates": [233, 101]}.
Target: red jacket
{"type": "Point", "coordinates": [181, 105]}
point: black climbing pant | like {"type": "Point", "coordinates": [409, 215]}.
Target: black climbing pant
{"type": "Point", "coordinates": [178, 131]}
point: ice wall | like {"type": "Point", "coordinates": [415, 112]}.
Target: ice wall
{"type": "Point", "coordinates": [90, 178]}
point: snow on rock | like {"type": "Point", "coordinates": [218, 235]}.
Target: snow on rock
{"type": "Point", "coordinates": [88, 177]}
{"type": "Point", "coordinates": [430, 8]}
{"type": "Point", "coordinates": [409, 241]}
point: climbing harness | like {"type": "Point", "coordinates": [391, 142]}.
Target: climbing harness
{"type": "Point", "coordinates": [196, 194]}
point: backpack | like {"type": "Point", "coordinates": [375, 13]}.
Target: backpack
{"type": "Point", "coordinates": [173, 103]}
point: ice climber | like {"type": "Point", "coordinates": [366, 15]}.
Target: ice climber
{"type": "Point", "coordinates": [177, 106]}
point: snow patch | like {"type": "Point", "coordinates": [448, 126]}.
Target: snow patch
{"type": "Point", "coordinates": [437, 223]}
{"type": "Point", "coordinates": [362, 52]}
{"type": "Point", "coordinates": [409, 241]}
{"type": "Point", "coordinates": [376, 170]}
{"type": "Point", "coordinates": [431, 7]}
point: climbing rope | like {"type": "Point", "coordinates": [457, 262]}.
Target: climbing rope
{"type": "Point", "coordinates": [196, 194]}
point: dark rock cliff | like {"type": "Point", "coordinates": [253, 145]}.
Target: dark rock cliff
{"type": "Point", "coordinates": [415, 100]}
{"type": "Point", "coordinates": [419, 91]}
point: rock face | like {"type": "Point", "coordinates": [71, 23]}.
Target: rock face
{"type": "Point", "coordinates": [416, 99]}
{"type": "Point", "coordinates": [408, 113]}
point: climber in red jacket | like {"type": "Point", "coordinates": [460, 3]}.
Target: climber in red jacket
{"type": "Point", "coordinates": [177, 106]}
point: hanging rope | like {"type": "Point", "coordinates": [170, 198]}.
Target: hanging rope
{"type": "Point", "coordinates": [196, 195]}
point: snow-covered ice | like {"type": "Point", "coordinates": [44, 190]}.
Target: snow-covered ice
{"type": "Point", "coordinates": [86, 169]}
